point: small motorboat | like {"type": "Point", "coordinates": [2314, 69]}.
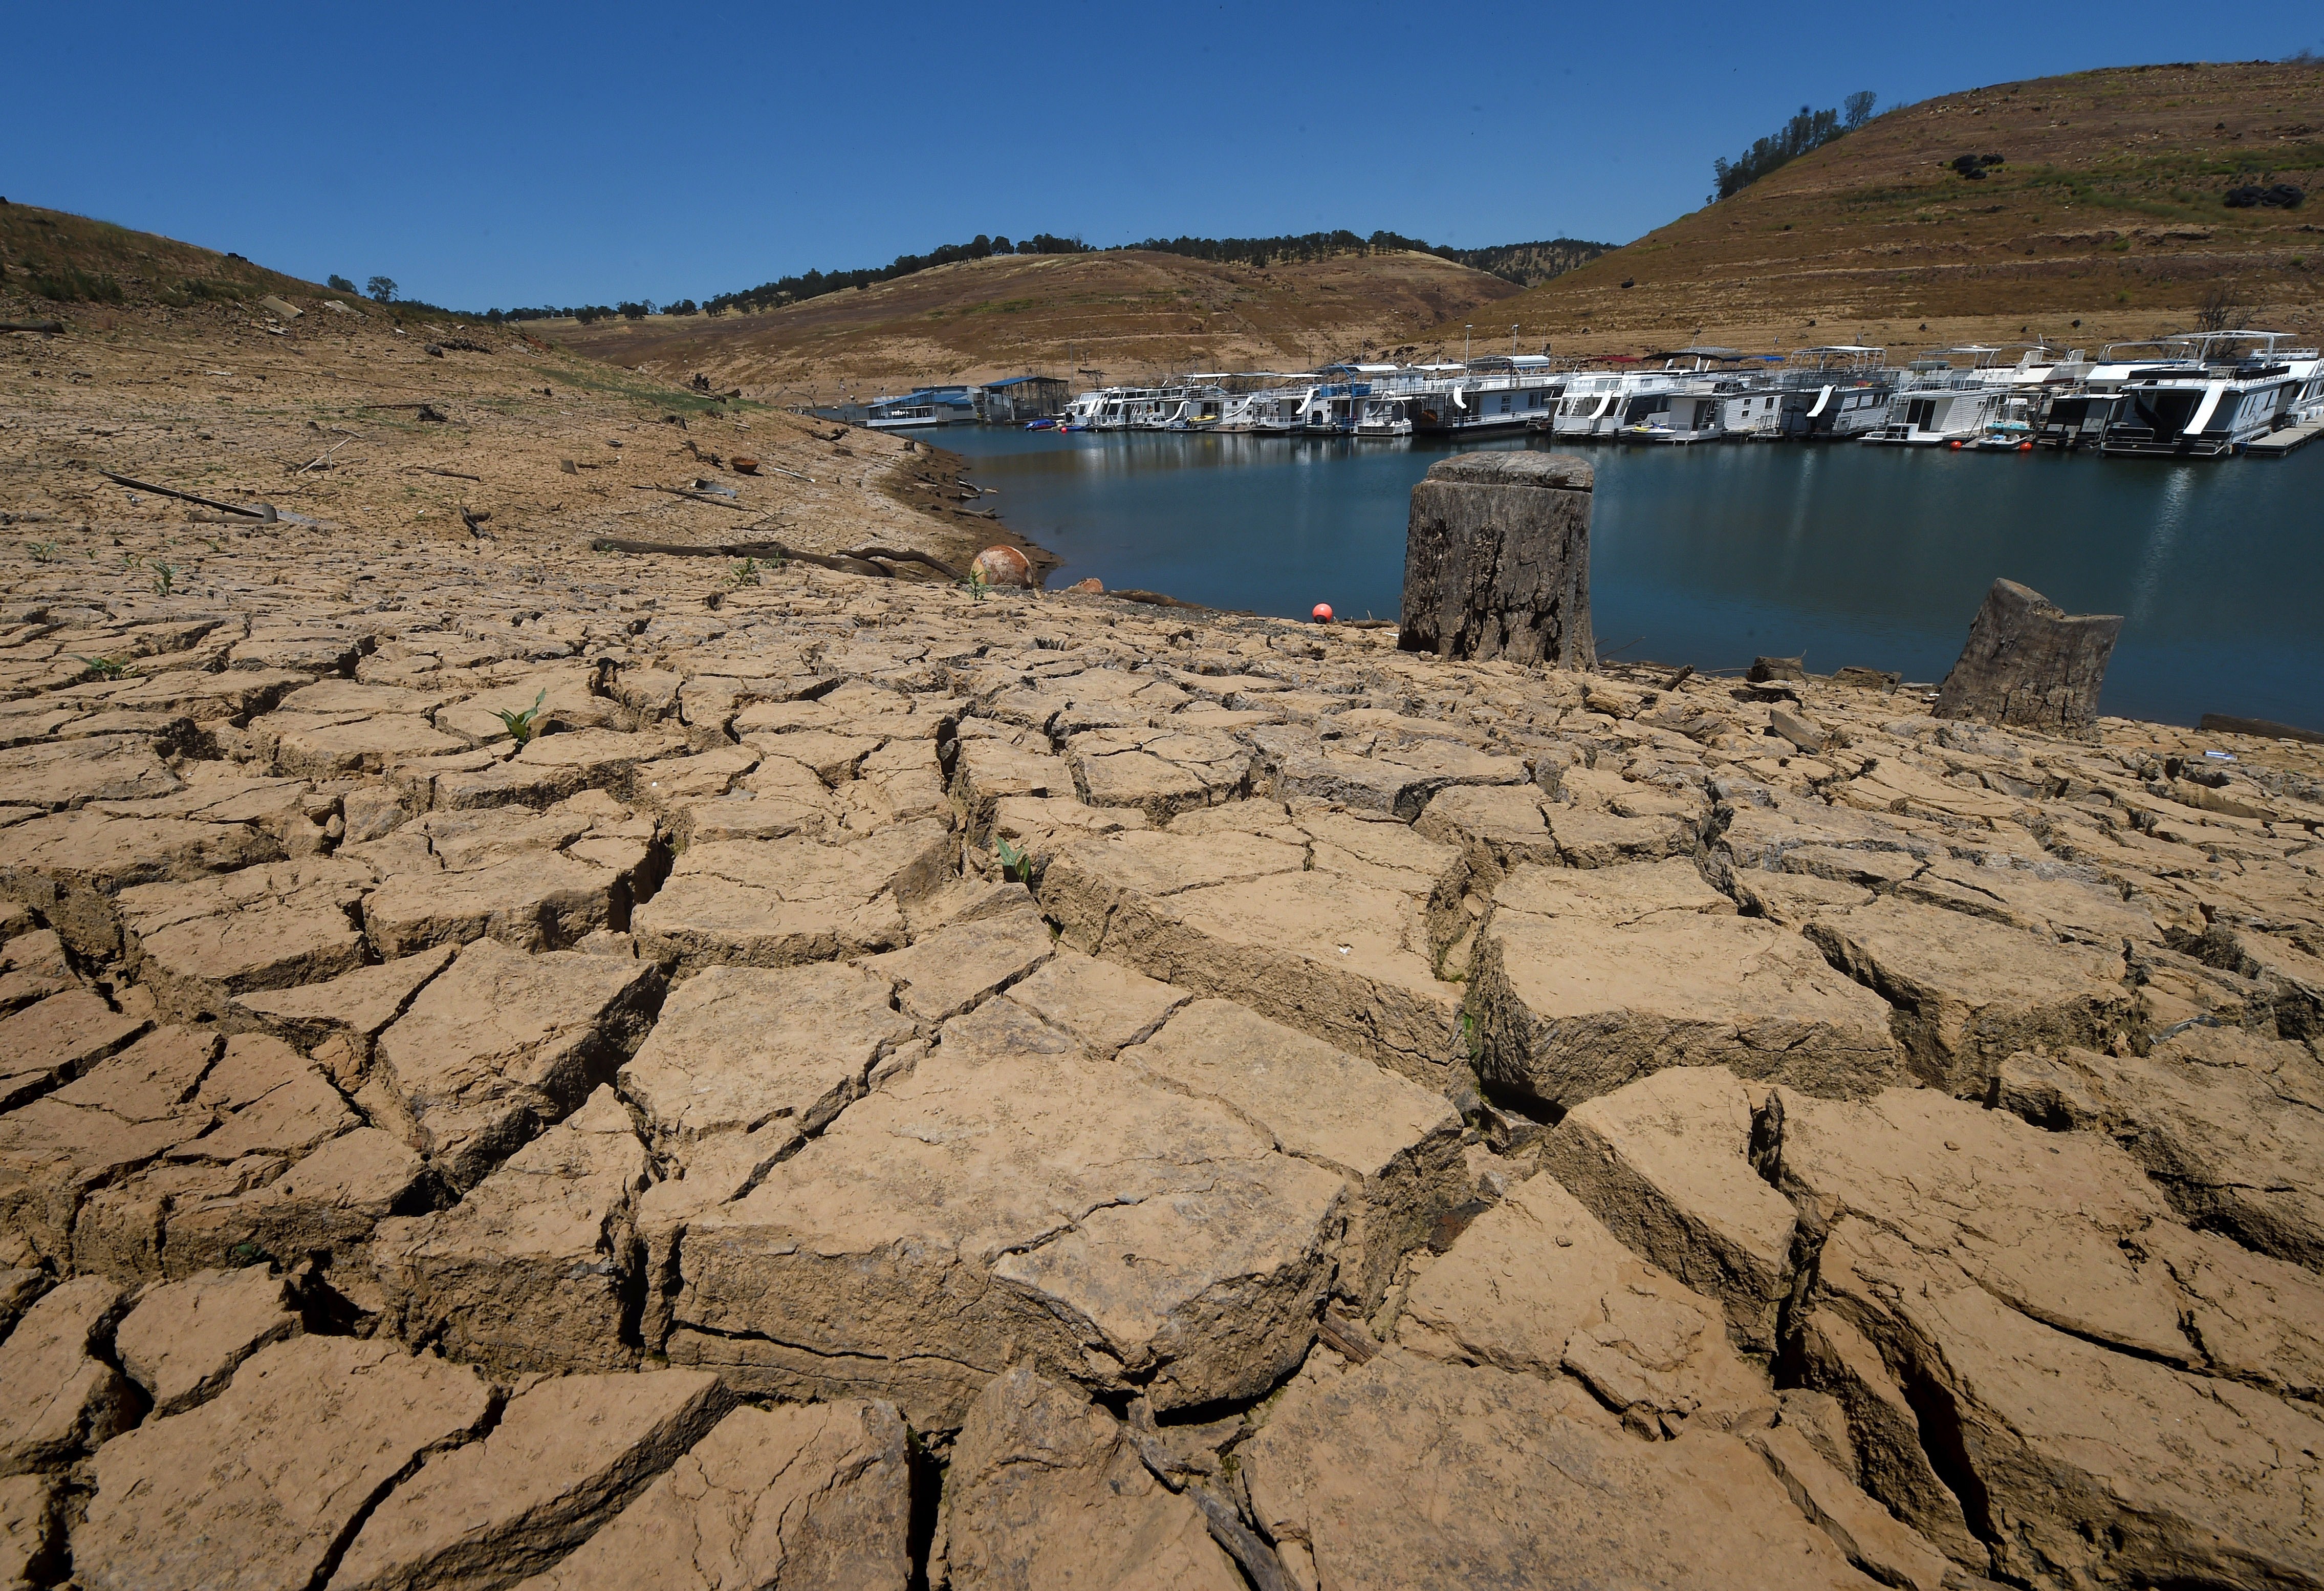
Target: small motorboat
{"type": "Point", "coordinates": [2009, 431]}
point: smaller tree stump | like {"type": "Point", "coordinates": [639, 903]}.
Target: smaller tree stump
{"type": "Point", "coordinates": [1497, 561]}
{"type": "Point", "coordinates": [2030, 664]}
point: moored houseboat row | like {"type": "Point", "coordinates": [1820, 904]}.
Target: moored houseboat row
{"type": "Point", "coordinates": [2197, 395]}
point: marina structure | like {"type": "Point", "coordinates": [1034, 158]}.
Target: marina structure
{"type": "Point", "coordinates": [2203, 394]}
{"type": "Point", "coordinates": [927, 406]}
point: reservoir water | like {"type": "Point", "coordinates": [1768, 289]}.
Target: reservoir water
{"type": "Point", "coordinates": [1715, 553]}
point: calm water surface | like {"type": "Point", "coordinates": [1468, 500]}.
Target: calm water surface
{"type": "Point", "coordinates": [1712, 554]}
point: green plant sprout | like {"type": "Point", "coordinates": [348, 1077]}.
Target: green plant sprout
{"type": "Point", "coordinates": [103, 668]}
{"type": "Point", "coordinates": [1016, 866]}
{"type": "Point", "coordinates": [519, 724]}
{"type": "Point", "coordinates": [165, 574]}
{"type": "Point", "coordinates": [745, 573]}
{"type": "Point", "coordinates": [41, 552]}
{"type": "Point", "coordinates": [978, 587]}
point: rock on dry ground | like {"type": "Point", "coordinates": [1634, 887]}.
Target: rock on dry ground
{"type": "Point", "coordinates": [884, 1084]}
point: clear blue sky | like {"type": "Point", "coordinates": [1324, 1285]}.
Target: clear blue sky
{"type": "Point", "coordinates": [523, 154]}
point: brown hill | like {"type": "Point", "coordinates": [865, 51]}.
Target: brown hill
{"type": "Point", "coordinates": [1122, 313]}
{"type": "Point", "coordinates": [2108, 210]}
{"type": "Point", "coordinates": [54, 262]}
{"type": "Point", "coordinates": [382, 428]}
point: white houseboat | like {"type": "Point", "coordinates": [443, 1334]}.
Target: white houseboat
{"type": "Point", "coordinates": [2239, 390]}
{"type": "Point", "coordinates": [1686, 411]}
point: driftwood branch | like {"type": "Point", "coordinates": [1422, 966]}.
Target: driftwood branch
{"type": "Point", "coordinates": [325, 461]}
{"type": "Point", "coordinates": [1157, 599]}
{"type": "Point", "coordinates": [1259, 1559]}
{"type": "Point", "coordinates": [53, 327]}
{"type": "Point", "coordinates": [451, 474]}
{"type": "Point", "coordinates": [263, 511]}
{"type": "Point", "coordinates": [1343, 1336]}
{"type": "Point", "coordinates": [855, 559]}
{"type": "Point", "coordinates": [696, 497]}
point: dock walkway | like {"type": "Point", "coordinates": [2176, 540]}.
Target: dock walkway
{"type": "Point", "coordinates": [2276, 444]}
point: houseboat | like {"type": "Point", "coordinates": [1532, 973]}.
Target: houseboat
{"type": "Point", "coordinates": [1941, 403]}
{"type": "Point", "coordinates": [1834, 393]}
{"type": "Point", "coordinates": [1590, 406]}
{"type": "Point", "coordinates": [2233, 387]}
{"type": "Point", "coordinates": [1686, 411]}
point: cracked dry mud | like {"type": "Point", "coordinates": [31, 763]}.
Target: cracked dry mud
{"type": "Point", "coordinates": [1398, 1123]}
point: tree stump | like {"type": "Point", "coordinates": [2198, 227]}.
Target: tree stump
{"type": "Point", "coordinates": [2030, 664]}
{"type": "Point", "coordinates": [1497, 561]}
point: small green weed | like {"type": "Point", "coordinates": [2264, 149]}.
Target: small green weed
{"type": "Point", "coordinates": [979, 588]}
{"type": "Point", "coordinates": [41, 552]}
{"type": "Point", "coordinates": [519, 724]}
{"type": "Point", "coordinates": [1016, 866]}
{"type": "Point", "coordinates": [165, 576]}
{"type": "Point", "coordinates": [104, 668]}
{"type": "Point", "coordinates": [745, 573]}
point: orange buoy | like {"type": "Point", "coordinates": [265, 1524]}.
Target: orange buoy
{"type": "Point", "coordinates": [1322, 613]}
{"type": "Point", "coordinates": [2026, 447]}
{"type": "Point", "coordinates": [1003, 565]}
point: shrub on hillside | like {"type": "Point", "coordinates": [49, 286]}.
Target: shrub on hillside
{"type": "Point", "coordinates": [2277, 196]}
{"type": "Point", "coordinates": [198, 290]}
{"type": "Point", "coordinates": [66, 285]}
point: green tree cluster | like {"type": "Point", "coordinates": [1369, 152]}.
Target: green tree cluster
{"type": "Point", "coordinates": [1809, 130]}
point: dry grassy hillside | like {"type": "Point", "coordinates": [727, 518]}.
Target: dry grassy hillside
{"type": "Point", "coordinates": [1124, 313]}
{"type": "Point", "coordinates": [53, 263]}
{"type": "Point", "coordinates": [390, 427]}
{"type": "Point", "coordinates": [2107, 209]}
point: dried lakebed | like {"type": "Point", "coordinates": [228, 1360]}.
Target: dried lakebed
{"type": "Point", "coordinates": [1045, 1089]}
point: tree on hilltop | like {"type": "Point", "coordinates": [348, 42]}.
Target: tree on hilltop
{"type": "Point", "coordinates": [1809, 130]}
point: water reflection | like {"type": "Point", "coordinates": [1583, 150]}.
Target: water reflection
{"type": "Point", "coordinates": [1712, 554]}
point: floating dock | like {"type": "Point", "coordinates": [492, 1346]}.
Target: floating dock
{"type": "Point", "coordinates": [2276, 444]}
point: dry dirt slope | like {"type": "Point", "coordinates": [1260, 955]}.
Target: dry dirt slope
{"type": "Point", "coordinates": [168, 370]}
{"type": "Point", "coordinates": [1124, 313]}
{"type": "Point", "coordinates": [2108, 211]}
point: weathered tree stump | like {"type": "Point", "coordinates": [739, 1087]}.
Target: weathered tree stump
{"type": "Point", "coordinates": [2030, 664]}
{"type": "Point", "coordinates": [1497, 561]}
